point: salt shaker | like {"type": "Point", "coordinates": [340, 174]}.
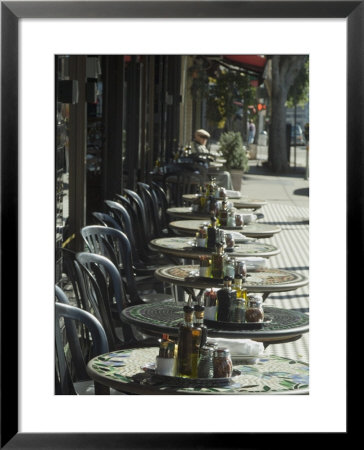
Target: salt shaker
{"type": "Point", "coordinates": [206, 362]}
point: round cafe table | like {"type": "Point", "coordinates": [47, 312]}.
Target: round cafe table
{"type": "Point", "coordinates": [184, 247]}
{"type": "Point", "coordinates": [156, 318]}
{"type": "Point", "coordinates": [252, 230]}
{"type": "Point", "coordinates": [265, 280]}
{"type": "Point", "coordinates": [240, 202]}
{"type": "Point", "coordinates": [123, 370]}
{"type": "Point", "coordinates": [185, 212]}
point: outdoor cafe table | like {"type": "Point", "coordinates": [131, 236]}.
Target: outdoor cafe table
{"type": "Point", "coordinates": [156, 318]}
{"type": "Point", "coordinates": [184, 247]}
{"type": "Point", "coordinates": [185, 212]}
{"type": "Point", "coordinates": [265, 281]}
{"type": "Point", "coordinates": [241, 202]}
{"type": "Point", "coordinates": [252, 230]}
{"type": "Point", "coordinates": [122, 370]}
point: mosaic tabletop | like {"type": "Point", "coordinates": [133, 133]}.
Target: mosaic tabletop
{"type": "Point", "coordinates": [164, 317]}
{"type": "Point", "coordinates": [185, 212]}
{"type": "Point", "coordinates": [184, 247]}
{"type": "Point", "coordinates": [238, 202]}
{"type": "Point", "coordinates": [123, 370]}
{"type": "Point", "coordinates": [252, 230]}
{"type": "Point", "coordinates": [258, 280]}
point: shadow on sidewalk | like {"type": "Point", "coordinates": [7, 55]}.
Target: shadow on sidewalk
{"type": "Point", "coordinates": [293, 172]}
{"type": "Point", "coordinates": [303, 191]}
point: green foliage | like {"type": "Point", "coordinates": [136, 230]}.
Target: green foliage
{"type": "Point", "coordinates": [298, 92]}
{"type": "Point", "coordinates": [231, 146]}
{"type": "Point", "coordinates": [229, 85]}
{"type": "Point", "coordinates": [221, 88]}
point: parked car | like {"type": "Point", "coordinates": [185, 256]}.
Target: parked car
{"type": "Point", "coordinates": [297, 136]}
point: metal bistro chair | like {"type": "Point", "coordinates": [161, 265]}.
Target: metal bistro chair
{"type": "Point", "coordinates": [161, 197]}
{"type": "Point", "coordinates": [122, 216]}
{"type": "Point", "coordinates": [115, 245]}
{"type": "Point", "coordinates": [142, 214]}
{"type": "Point", "coordinates": [120, 220]}
{"type": "Point", "coordinates": [145, 217]}
{"type": "Point", "coordinates": [151, 209]}
{"type": "Point", "coordinates": [136, 218]}
{"type": "Point", "coordinates": [102, 279]}
{"type": "Point", "coordinates": [72, 379]}
{"type": "Point", "coordinates": [105, 220]}
{"type": "Point", "coordinates": [154, 209]}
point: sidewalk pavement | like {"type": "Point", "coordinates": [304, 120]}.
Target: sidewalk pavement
{"type": "Point", "coordinates": [287, 205]}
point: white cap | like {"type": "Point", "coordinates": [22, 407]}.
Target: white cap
{"type": "Point", "coordinates": [203, 133]}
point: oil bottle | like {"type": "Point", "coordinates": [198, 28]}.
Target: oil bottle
{"type": "Point", "coordinates": [189, 341]}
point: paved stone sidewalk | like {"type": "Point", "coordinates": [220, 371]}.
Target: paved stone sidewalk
{"type": "Point", "coordinates": [287, 206]}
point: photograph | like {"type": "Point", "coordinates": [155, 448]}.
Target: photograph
{"type": "Point", "coordinates": [165, 219]}
{"type": "Point", "coordinates": [182, 195]}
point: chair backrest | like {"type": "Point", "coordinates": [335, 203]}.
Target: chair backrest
{"type": "Point", "coordinates": [63, 375]}
{"type": "Point", "coordinates": [152, 209]}
{"type": "Point", "coordinates": [77, 338]}
{"type": "Point", "coordinates": [106, 220]}
{"type": "Point", "coordinates": [113, 297]}
{"type": "Point", "coordinates": [122, 218]}
{"type": "Point", "coordinates": [68, 268]}
{"type": "Point", "coordinates": [115, 245]}
{"type": "Point", "coordinates": [160, 194]}
{"type": "Point", "coordinates": [139, 207]}
{"type": "Point", "coordinates": [138, 226]}
{"type": "Point", "coordinates": [97, 303]}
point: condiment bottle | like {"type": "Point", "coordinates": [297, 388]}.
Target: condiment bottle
{"type": "Point", "coordinates": [229, 268]}
{"type": "Point", "coordinates": [210, 303]}
{"type": "Point", "coordinates": [202, 197]}
{"type": "Point", "coordinates": [165, 361]}
{"type": "Point", "coordinates": [240, 305]}
{"type": "Point", "coordinates": [189, 340]}
{"type": "Point", "coordinates": [254, 310]}
{"type": "Point", "coordinates": [206, 362]}
{"type": "Point", "coordinates": [238, 286]}
{"type": "Point", "coordinates": [225, 298]}
{"type": "Point", "coordinates": [230, 243]}
{"type": "Point", "coordinates": [223, 367]}
{"type": "Point", "coordinates": [217, 259]}
{"type": "Point", "coordinates": [199, 322]}
{"type": "Point", "coordinates": [201, 237]}
{"type": "Point", "coordinates": [240, 268]}
{"type": "Point", "coordinates": [239, 220]}
{"type": "Point", "coordinates": [205, 266]}
{"type": "Point", "coordinates": [222, 192]}
{"type": "Point", "coordinates": [223, 214]}
{"type": "Point", "coordinates": [231, 218]}
{"type": "Point", "coordinates": [163, 345]}
{"type": "Point", "coordinates": [212, 233]}
{"type": "Point", "coordinates": [237, 310]}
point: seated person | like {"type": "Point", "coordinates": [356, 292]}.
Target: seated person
{"type": "Point", "coordinates": [200, 141]}
{"type": "Point", "coordinates": [223, 178]}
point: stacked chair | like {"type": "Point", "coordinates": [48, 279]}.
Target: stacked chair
{"type": "Point", "coordinates": [115, 245]}
{"type": "Point", "coordinates": [71, 377]}
{"type": "Point", "coordinates": [115, 271]}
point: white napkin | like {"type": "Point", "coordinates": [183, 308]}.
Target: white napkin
{"type": "Point", "coordinates": [236, 235]}
{"type": "Point", "coordinates": [254, 262]}
{"type": "Point", "coordinates": [245, 347]}
{"type": "Point", "coordinates": [232, 194]}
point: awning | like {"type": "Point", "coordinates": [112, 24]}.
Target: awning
{"type": "Point", "coordinates": [254, 63]}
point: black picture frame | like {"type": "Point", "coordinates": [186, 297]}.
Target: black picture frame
{"type": "Point", "coordinates": [11, 12]}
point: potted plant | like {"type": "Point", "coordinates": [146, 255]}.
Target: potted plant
{"type": "Point", "coordinates": [234, 152]}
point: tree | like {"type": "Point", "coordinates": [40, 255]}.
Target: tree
{"type": "Point", "coordinates": [285, 69]}
{"type": "Point", "coordinates": [221, 87]}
